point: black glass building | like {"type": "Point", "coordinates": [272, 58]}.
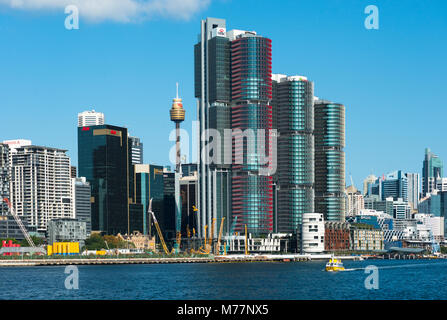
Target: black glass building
{"type": "Point", "coordinates": [103, 158]}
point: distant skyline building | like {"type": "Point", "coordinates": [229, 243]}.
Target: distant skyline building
{"type": "Point", "coordinates": [431, 170]}
{"type": "Point", "coordinates": [369, 180]}
{"type": "Point", "coordinates": [136, 151]}
{"type": "Point", "coordinates": [41, 187]}
{"type": "Point", "coordinates": [330, 160]}
{"type": "Point", "coordinates": [354, 201]}
{"type": "Point", "coordinates": [414, 189]}
{"type": "Point", "coordinates": [90, 118]}
{"type": "Point", "coordinates": [293, 110]}
{"type": "Point", "coordinates": [395, 185]}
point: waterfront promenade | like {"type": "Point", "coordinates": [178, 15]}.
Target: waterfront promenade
{"type": "Point", "coordinates": [19, 262]}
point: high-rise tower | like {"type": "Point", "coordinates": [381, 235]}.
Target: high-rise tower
{"type": "Point", "coordinates": [233, 86]}
{"type": "Point", "coordinates": [177, 116]}
{"type": "Point", "coordinates": [432, 169]}
{"type": "Point", "coordinates": [330, 160]}
{"type": "Point", "coordinates": [293, 109]}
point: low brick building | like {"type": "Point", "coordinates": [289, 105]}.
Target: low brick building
{"type": "Point", "coordinates": [337, 236]}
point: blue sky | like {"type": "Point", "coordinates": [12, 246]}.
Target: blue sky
{"type": "Point", "coordinates": [392, 80]}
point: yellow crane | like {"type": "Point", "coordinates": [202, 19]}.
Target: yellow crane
{"type": "Point", "coordinates": [212, 233]}
{"type": "Point", "coordinates": [220, 236]}
{"type": "Point", "coordinates": [160, 235]}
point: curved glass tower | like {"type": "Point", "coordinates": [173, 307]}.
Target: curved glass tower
{"type": "Point", "coordinates": [251, 91]}
{"type": "Point", "coordinates": [294, 118]}
{"type": "Point", "coordinates": [330, 160]}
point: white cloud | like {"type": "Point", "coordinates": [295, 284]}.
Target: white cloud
{"type": "Point", "coordinates": [116, 10]}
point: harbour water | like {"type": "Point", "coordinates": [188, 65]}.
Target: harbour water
{"type": "Point", "coordinates": [398, 279]}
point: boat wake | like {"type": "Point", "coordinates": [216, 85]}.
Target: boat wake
{"type": "Point", "coordinates": [412, 265]}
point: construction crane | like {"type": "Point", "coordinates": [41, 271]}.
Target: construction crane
{"type": "Point", "coordinates": [212, 232]}
{"type": "Point", "coordinates": [160, 235]}
{"type": "Point", "coordinates": [220, 236]}
{"type": "Point", "coordinates": [19, 223]}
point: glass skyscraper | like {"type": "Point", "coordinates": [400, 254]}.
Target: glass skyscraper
{"type": "Point", "coordinates": [103, 159]}
{"type": "Point", "coordinates": [330, 160]}
{"type": "Point", "coordinates": [149, 184]}
{"type": "Point", "coordinates": [432, 169]}
{"type": "Point", "coordinates": [251, 92]}
{"type": "Point", "coordinates": [212, 89]}
{"type": "Point", "coordinates": [293, 109]}
{"type": "Point", "coordinates": [395, 185]}
{"type": "Point", "coordinates": [233, 86]}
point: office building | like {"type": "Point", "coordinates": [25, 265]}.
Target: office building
{"type": "Point", "coordinates": [375, 203]}
{"type": "Point", "coordinates": [41, 188]}
{"type": "Point", "coordinates": [441, 184]}
{"type": "Point", "coordinates": [401, 209]}
{"type": "Point", "coordinates": [149, 184]}
{"type": "Point", "coordinates": [414, 189]}
{"type": "Point", "coordinates": [293, 111]}
{"type": "Point", "coordinates": [189, 192]}
{"type": "Point", "coordinates": [233, 86]}
{"type": "Point", "coordinates": [395, 185]}
{"type": "Point", "coordinates": [136, 150]}
{"type": "Point", "coordinates": [103, 159]}
{"type": "Point", "coordinates": [90, 118]}
{"type": "Point", "coordinates": [330, 160]}
{"type": "Point", "coordinates": [83, 208]}
{"type": "Point", "coordinates": [212, 89]}
{"type": "Point", "coordinates": [432, 169]}
{"type": "Point", "coordinates": [167, 219]}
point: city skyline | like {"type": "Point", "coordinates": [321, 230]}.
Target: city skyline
{"type": "Point", "coordinates": [67, 80]}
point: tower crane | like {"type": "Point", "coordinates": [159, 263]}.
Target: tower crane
{"type": "Point", "coordinates": [19, 223]}
{"type": "Point", "coordinates": [160, 235]}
